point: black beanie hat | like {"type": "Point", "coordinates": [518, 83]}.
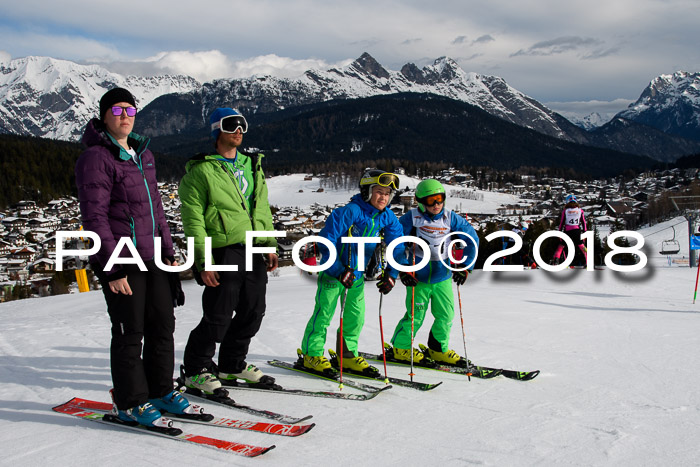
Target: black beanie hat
{"type": "Point", "coordinates": [114, 96]}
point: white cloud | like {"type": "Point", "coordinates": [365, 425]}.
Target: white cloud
{"type": "Point", "coordinates": [63, 46]}
{"type": "Point", "coordinates": [5, 57]}
{"type": "Point", "coordinates": [550, 50]}
{"type": "Point", "coordinates": [203, 66]}
{"type": "Point", "coordinates": [283, 67]}
{"type": "Point", "coordinates": [213, 64]}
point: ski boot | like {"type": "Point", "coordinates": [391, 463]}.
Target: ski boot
{"type": "Point", "coordinates": [354, 365]}
{"type": "Point", "coordinates": [251, 375]}
{"type": "Point", "coordinates": [359, 366]}
{"type": "Point", "coordinates": [317, 365]}
{"type": "Point", "coordinates": [175, 403]}
{"type": "Point", "coordinates": [404, 355]}
{"type": "Point", "coordinates": [450, 358]}
{"type": "Point", "coordinates": [144, 414]}
{"type": "Point", "coordinates": [205, 382]}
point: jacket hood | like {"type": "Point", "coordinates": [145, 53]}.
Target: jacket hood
{"type": "Point", "coordinates": [200, 158]}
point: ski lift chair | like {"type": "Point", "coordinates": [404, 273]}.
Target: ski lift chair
{"type": "Point", "coordinates": [670, 247]}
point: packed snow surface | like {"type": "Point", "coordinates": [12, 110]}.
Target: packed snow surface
{"type": "Point", "coordinates": [618, 354]}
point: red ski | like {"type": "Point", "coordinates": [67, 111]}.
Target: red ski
{"type": "Point", "coordinates": [247, 450]}
{"type": "Point", "coordinates": [262, 427]}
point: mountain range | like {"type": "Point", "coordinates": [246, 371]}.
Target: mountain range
{"type": "Point", "coordinates": [52, 98]}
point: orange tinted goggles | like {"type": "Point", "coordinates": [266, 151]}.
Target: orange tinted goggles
{"type": "Point", "coordinates": [432, 200]}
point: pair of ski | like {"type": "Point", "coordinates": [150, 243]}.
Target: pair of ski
{"type": "Point", "coordinates": [334, 375]}
{"type": "Point", "coordinates": [101, 412]}
{"type": "Point", "coordinates": [221, 396]}
{"type": "Point", "coordinates": [427, 363]}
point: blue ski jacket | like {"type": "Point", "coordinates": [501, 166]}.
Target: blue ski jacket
{"type": "Point", "coordinates": [359, 219]}
{"type": "Point", "coordinates": [436, 271]}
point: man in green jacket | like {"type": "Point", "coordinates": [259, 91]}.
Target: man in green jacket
{"type": "Point", "coordinates": [223, 196]}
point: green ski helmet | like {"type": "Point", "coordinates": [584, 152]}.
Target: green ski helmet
{"type": "Point", "coordinates": [426, 189]}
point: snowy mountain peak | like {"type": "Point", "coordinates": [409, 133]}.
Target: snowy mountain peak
{"type": "Point", "coordinates": [680, 84]}
{"type": "Point", "coordinates": [48, 97]}
{"type": "Point", "coordinates": [670, 103]}
{"type": "Point", "coordinates": [590, 121]}
{"type": "Point", "coordinates": [368, 65]}
{"type": "Point", "coordinates": [447, 68]}
{"type": "Point", "coordinates": [53, 98]}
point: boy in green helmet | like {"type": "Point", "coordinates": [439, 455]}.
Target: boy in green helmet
{"type": "Point", "coordinates": [432, 223]}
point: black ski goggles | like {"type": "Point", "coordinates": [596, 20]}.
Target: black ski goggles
{"type": "Point", "coordinates": [386, 179]}
{"type": "Point", "coordinates": [231, 124]}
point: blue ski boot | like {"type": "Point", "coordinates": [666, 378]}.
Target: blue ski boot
{"type": "Point", "coordinates": [144, 414]}
{"type": "Point", "coordinates": [175, 404]}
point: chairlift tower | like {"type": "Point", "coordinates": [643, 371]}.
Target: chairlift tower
{"type": "Point", "coordinates": [689, 206]}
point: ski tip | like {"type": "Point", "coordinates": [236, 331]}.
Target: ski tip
{"type": "Point", "coordinates": [263, 451]}
{"type": "Point", "coordinates": [59, 406]}
{"type": "Point", "coordinates": [307, 428]}
{"type": "Point", "coordinates": [530, 375]}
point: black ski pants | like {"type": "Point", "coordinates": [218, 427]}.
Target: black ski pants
{"type": "Point", "coordinates": [241, 291]}
{"type": "Point", "coordinates": [145, 316]}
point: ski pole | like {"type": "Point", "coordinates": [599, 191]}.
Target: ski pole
{"type": "Point", "coordinates": [343, 298]}
{"type": "Point", "coordinates": [381, 333]}
{"type": "Point", "coordinates": [413, 307]}
{"type": "Point", "coordinates": [696, 283]}
{"type": "Point", "coordinates": [464, 337]}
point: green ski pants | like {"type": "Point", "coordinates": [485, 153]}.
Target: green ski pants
{"type": "Point", "coordinates": [442, 305]}
{"type": "Point", "coordinates": [327, 294]}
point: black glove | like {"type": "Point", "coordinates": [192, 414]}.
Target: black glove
{"type": "Point", "coordinates": [176, 292]}
{"type": "Point", "coordinates": [347, 277]}
{"type": "Point", "coordinates": [408, 279]}
{"type": "Point", "coordinates": [385, 283]}
{"type": "Point", "coordinates": [460, 277]}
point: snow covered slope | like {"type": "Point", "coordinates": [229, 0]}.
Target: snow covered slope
{"type": "Point", "coordinates": [619, 380]}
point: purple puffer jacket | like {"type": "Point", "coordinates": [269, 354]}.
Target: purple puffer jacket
{"type": "Point", "coordinates": [119, 197]}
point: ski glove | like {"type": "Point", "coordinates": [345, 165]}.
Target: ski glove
{"type": "Point", "coordinates": [407, 279]}
{"type": "Point", "coordinates": [176, 292]}
{"type": "Point", "coordinates": [460, 277]}
{"type": "Point", "coordinates": [347, 277]}
{"type": "Point", "coordinates": [385, 283]}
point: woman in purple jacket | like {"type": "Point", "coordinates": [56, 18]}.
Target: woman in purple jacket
{"type": "Point", "coordinates": [116, 180]}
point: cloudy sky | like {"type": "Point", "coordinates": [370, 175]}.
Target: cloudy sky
{"type": "Point", "coordinates": [571, 55]}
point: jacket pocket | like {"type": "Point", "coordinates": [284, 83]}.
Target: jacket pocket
{"type": "Point", "coordinates": [223, 223]}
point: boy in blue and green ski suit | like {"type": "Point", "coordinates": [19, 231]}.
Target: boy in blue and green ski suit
{"type": "Point", "coordinates": [365, 216]}
{"type": "Point", "coordinates": [432, 222]}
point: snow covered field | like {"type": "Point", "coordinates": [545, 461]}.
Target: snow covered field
{"type": "Point", "coordinates": [284, 191]}
{"type": "Point", "coordinates": [618, 353]}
